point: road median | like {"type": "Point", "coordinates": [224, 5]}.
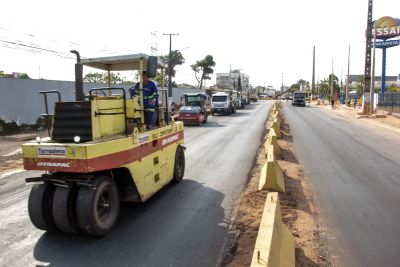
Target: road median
{"type": "Point", "coordinates": [277, 229]}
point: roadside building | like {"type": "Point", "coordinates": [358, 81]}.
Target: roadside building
{"type": "Point", "coordinates": [235, 80]}
{"type": "Point", "coordinates": [356, 80]}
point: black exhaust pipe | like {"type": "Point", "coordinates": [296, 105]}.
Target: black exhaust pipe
{"type": "Point", "coordinates": [79, 94]}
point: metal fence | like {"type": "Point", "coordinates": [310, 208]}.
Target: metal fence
{"type": "Point", "coordinates": [21, 103]}
{"type": "Point", "coordinates": [389, 102]}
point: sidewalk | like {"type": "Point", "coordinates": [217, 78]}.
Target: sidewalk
{"type": "Point", "coordinates": [392, 121]}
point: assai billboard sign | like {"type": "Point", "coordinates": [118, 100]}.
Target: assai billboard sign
{"type": "Point", "coordinates": [387, 43]}
{"type": "Point", "coordinates": [386, 27]}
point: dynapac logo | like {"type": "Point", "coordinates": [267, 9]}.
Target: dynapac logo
{"type": "Point", "coordinates": [51, 151]}
{"type": "Point", "coordinates": [170, 139]}
{"type": "Point", "coordinates": [54, 164]}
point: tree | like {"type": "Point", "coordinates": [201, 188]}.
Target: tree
{"type": "Point", "coordinates": [294, 87]}
{"type": "Point", "coordinates": [204, 69]}
{"type": "Point", "coordinates": [176, 59]}
{"type": "Point", "coordinates": [1, 73]}
{"type": "Point", "coordinates": [325, 86]}
{"type": "Point", "coordinates": [303, 83]}
{"type": "Point", "coordinates": [158, 80]}
{"type": "Point", "coordinates": [102, 77]}
{"type": "Point", "coordinates": [24, 76]}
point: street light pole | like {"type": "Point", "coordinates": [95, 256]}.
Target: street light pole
{"type": "Point", "coordinates": [169, 63]}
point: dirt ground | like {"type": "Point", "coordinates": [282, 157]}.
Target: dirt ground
{"type": "Point", "coordinates": [299, 212]}
{"type": "Point", "coordinates": [10, 156]}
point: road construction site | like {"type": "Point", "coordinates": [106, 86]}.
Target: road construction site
{"type": "Point", "coordinates": [339, 202]}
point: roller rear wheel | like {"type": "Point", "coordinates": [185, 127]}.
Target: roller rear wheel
{"type": "Point", "coordinates": [64, 214]}
{"type": "Point", "coordinates": [40, 205]}
{"type": "Point", "coordinates": [97, 208]}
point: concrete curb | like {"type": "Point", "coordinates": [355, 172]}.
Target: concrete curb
{"type": "Point", "coordinates": [275, 244]}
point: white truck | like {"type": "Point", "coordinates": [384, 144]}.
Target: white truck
{"type": "Point", "coordinates": [224, 102]}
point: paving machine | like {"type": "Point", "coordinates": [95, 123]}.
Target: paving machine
{"type": "Point", "coordinates": [99, 152]}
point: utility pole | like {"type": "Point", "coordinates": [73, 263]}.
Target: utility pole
{"type": "Point", "coordinates": [282, 83]}
{"type": "Point", "coordinates": [348, 78]}
{"type": "Point", "coordinates": [332, 82]}
{"type": "Point", "coordinates": [313, 73]}
{"type": "Point", "coordinates": [341, 84]}
{"type": "Point", "coordinates": [372, 89]}
{"type": "Point", "coordinates": [169, 63]}
{"type": "Point", "coordinates": [230, 77]}
{"type": "Point", "coordinates": [367, 70]}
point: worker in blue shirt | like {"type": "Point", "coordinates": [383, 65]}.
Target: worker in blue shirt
{"type": "Point", "coordinates": [150, 98]}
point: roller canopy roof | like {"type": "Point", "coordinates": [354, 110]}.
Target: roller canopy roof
{"type": "Point", "coordinates": [120, 63]}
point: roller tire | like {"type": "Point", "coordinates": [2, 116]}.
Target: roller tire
{"type": "Point", "coordinates": [97, 208]}
{"type": "Point", "coordinates": [64, 213]}
{"type": "Point", "coordinates": [179, 166]}
{"type": "Point", "coordinates": [39, 207]}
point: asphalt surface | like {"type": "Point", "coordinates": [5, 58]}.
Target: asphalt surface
{"type": "Point", "coordinates": [354, 170]}
{"type": "Point", "coordinates": [182, 225]}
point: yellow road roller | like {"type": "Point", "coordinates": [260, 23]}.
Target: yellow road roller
{"type": "Point", "coordinates": [100, 152]}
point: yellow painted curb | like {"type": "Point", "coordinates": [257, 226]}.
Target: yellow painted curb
{"type": "Point", "coordinates": [275, 243]}
{"type": "Point", "coordinates": [272, 140]}
{"type": "Point", "coordinates": [271, 176]}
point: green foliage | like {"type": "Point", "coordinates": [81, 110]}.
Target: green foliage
{"type": "Point", "coordinates": [158, 80]}
{"type": "Point", "coordinates": [294, 87]}
{"type": "Point", "coordinates": [24, 76]}
{"type": "Point", "coordinates": [325, 86]}
{"type": "Point", "coordinates": [393, 88]}
{"type": "Point", "coordinates": [1, 73]}
{"type": "Point", "coordinates": [300, 83]}
{"type": "Point", "coordinates": [304, 83]}
{"type": "Point", "coordinates": [203, 68]}
{"type": "Point", "coordinates": [176, 59]}
{"type": "Point", "coordinates": [102, 77]}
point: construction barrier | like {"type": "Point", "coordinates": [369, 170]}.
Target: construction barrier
{"type": "Point", "coordinates": [272, 140]}
{"type": "Point", "coordinates": [275, 244]}
{"type": "Point", "coordinates": [276, 126]}
{"type": "Point", "coordinates": [271, 176]}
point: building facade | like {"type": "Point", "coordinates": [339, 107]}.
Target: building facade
{"type": "Point", "coordinates": [234, 80]}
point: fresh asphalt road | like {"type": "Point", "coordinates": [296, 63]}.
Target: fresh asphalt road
{"type": "Point", "coordinates": [354, 170]}
{"type": "Point", "coordinates": [182, 225]}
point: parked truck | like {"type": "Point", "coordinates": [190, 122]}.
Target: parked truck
{"type": "Point", "coordinates": [224, 103]}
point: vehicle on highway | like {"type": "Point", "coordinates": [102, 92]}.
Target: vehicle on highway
{"type": "Point", "coordinates": [245, 98]}
{"type": "Point", "coordinates": [194, 110]}
{"type": "Point", "coordinates": [253, 96]}
{"type": "Point", "coordinates": [299, 99]}
{"type": "Point", "coordinates": [100, 152]}
{"type": "Point", "coordinates": [223, 103]}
